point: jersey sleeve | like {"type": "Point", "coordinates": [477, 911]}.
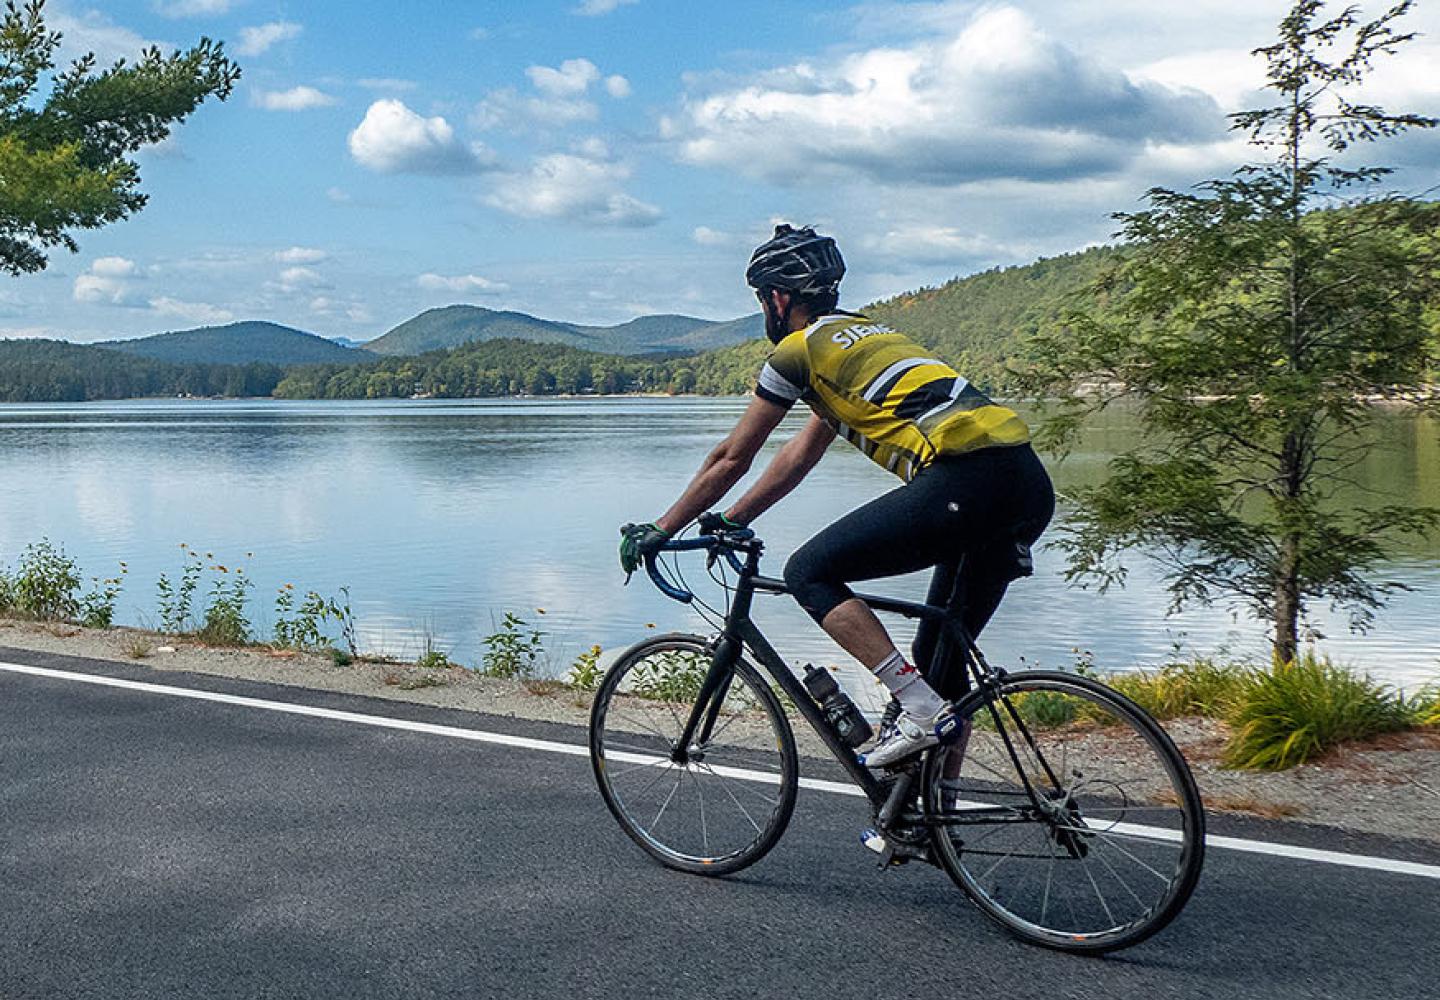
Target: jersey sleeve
{"type": "Point", "coordinates": [786, 374]}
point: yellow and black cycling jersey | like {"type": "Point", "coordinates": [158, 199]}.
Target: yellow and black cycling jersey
{"type": "Point", "coordinates": [885, 394]}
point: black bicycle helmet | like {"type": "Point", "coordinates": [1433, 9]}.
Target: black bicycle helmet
{"type": "Point", "coordinates": [796, 260]}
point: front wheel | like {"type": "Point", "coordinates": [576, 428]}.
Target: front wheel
{"type": "Point", "coordinates": [713, 806]}
{"type": "Point", "coordinates": [1066, 814]}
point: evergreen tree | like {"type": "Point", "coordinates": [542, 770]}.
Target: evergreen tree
{"type": "Point", "coordinates": [65, 162]}
{"type": "Point", "coordinates": [1255, 319]}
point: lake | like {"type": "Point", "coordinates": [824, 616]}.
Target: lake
{"type": "Point", "coordinates": [441, 515]}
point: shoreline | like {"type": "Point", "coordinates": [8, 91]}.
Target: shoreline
{"type": "Point", "coordinates": [1388, 786]}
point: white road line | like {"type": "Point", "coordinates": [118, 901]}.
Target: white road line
{"type": "Point", "coordinates": [1392, 865]}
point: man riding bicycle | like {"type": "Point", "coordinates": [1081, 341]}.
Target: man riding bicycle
{"type": "Point", "coordinates": [975, 496]}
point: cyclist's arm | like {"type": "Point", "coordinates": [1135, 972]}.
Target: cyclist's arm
{"type": "Point", "coordinates": [724, 466]}
{"type": "Point", "coordinates": [785, 471]}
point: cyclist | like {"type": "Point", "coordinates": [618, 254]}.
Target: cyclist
{"type": "Point", "coordinates": [973, 487]}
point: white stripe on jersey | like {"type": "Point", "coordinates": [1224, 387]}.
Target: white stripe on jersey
{"type": "Point", "coordinates": [960, 385]}
{"type": "Point", "coordinates": [773, 382]}
{"type": "Point", "coordinates": [872, 393]}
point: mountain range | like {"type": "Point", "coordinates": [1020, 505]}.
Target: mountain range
{"type": "Point", "coordinates": [258, 342]}
{"type": "Point", "coordinates": [452, 326]}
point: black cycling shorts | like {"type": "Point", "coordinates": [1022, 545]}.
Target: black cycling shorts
{"type": "Point", "coordinates": [977, 506]}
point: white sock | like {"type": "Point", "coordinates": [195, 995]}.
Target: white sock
{"type": "Point", "coordinates": [916, 697]}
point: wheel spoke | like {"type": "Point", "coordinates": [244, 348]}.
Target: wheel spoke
{"type": "Point", "coordinates": [725, 785]}
{"type": "Point", "coordinates": [656, 821]}
{"type": "Point", "coordinates": [644, 725]}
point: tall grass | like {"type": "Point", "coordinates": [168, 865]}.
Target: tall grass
{"type": "Point", "coordinates": [1291, 712]}
{"type": "Point", "coordinates": [1203, 687]}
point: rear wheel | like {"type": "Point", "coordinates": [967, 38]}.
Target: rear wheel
{"type": "Point", "coordinates": [1094, 841]}
{"type": "Point", "coordinates": [712, 807]}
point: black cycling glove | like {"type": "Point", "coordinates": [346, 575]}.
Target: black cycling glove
{"type": "Point", "coordinates": [715, 523]}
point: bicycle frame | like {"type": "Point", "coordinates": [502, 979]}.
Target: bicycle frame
{"type": "Point", "coordinates": [741, 633]}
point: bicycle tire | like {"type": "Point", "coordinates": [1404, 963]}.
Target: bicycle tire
{"type": "Point", "coordinates": [1147, 820]}
{"type": "Point", "coordinates": [752, 747]}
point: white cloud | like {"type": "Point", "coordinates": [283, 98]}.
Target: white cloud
{"type": "Point", "coordinates": [108, 281]}
{"type": "Point", "coordinates": [295, 99]}
{"type": "Point", "coordinates": [261, 38]}
{"type": "Point", "coordinates": [461, 284]}
{"type": "Point", "coordinates": [998, 99]}
{"type": "Point", "coordinates": [114, 267]}
{"type": "Point", "coordinates": [300, 277]}
{"type": "Point", "coordinates": [579, 188]}
{"type": "Point", "coordinates": [561, 98]}
{"type": "Point", "coordinates": [598, 8]}
{"type": "Point", "coordinates": [393, 139]}
{"type": "Point", "coordinates": [507, 107]}
{"type": "Point", "coordinates": [708, 237]}
{"type": "Point", "coordinates": [573, 77]}
{"type": "Point", "coordinates": [194, 312]}
{"type": "Point", "coordinates": [479, 34]}
{"type": "Point", "coordinates": [301, 255]}
{"type": "Point", "coordinates": [193, 8]}
{"type": "Point", "coordinates": [338, 195]}
{"type": "Point", "coordinates": [92, 31]}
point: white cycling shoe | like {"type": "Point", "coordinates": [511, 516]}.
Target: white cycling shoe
{"type": "Point", "coordinates": [909, 736]}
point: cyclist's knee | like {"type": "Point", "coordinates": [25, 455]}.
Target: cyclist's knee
{"type": "Point", "coordinates": [808, 585]}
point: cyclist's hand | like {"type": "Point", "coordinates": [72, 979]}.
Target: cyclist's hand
{"type": "Point", "coordinates": [716, 523]}
{"type": "Point", "coordinates": [638, 541]}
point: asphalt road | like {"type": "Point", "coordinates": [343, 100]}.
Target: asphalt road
{"type": "Point", "coordinates": [156, 847]}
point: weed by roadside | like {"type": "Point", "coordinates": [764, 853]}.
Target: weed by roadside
{"type": "Point", "coordinates": [226, 623]}
{"type": "Point", "coordinates": [309, 626]}
{"type": "Point", "coordinates": [511, 651]}
{"type": "Point", "coordinates": [585, 672]}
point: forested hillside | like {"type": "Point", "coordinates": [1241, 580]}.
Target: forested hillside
{"type": "Point", "coordinates": [236, 344]}
{"type": "Point", "coordinates": [53, 371]}
{"type": "Point", "coordinates": [981, 323]}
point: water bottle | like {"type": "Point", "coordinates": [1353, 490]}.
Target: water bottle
{"type": "Point", "coordinates": [839, 710]}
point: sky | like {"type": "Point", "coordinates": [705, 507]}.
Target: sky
{"type": "Point", "coordinates": [595, 160]}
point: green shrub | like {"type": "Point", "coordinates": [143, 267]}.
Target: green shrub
{"type": "Point", "coordinates": [46, 583]}
{"type": "Point", "coordinates": [97, 606]}
{"type": "Point", "coordinates": [585, 672]}
{"type": "Point", "coordinates": [225, 621]}
{"type": "Point", "coordinates": [1425, 706]}
{"type": "Point", "coordinates": [512, 649]}
{"type": "Point", "coordinates": [175, 601]}
{"type": "Point", "coordinates": [1287, 714]}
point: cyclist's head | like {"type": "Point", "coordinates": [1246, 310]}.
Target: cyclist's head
{"type": "Point", "coordinates": [802, 265]}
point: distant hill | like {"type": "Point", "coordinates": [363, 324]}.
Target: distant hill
{"type": "Point", "coordinates": [252, 342]}
{"type": "Point", "coordinates": [438, 329]}
{"type": "Point", "coordinates": [58, 371]}
{"type": "Point", "coordinates": [452, 326]}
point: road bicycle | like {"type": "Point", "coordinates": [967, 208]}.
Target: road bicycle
{"type": "Point", "coordinates": [1059, 807]}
